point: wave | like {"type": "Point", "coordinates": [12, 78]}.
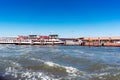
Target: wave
{"type": "Point", "coordinates": [70, 70]}
{"type": "Point", "coordinates": [57, 69]}
{"type": "Point", "coordinates": [48, 71]}
{"type": "Point", "coordinates": [106, 76]}
{"type": "Point", "coordinates": [27, 74]}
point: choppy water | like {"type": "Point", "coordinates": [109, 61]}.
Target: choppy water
{"type": "Point", "coordinates": [59, 63]}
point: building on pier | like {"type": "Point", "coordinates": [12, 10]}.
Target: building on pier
{"type": "Point", "coordinates": [70, 41]}
{"type": "Point", "coordinates": [101, 41]}
{"type": "Point", "coordinates": [39, 39]}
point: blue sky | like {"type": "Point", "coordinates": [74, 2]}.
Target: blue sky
{"type": "Point", "coordinates": [68, 18]}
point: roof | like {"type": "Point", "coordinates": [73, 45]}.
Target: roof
{"type": "Point", "coordinates": [67, 38]}
{"type": "Point", "coordinates": [101, 38]}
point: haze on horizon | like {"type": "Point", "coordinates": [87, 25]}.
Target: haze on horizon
{"type": "Point", "coordinates": [68, 18]}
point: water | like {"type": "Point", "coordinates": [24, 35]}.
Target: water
{"type": "Point", "coordinates": [59, 63]}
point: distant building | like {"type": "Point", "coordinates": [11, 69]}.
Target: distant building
{"type": "Point", "coordinates": [32, 36]}
{"type": "Point", "coordinates": [70, 41]}
{"type": "Point", "coordinates": [54, 36]}
{"type": "Point", "coordinates": [101, 41]}
{"type": "Point", "coordinates": [22, 37]}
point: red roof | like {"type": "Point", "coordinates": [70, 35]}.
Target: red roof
{"type": "Point", "coordinates": [44, 37]}
{"type": "Point", "coordinates": [22, 37]}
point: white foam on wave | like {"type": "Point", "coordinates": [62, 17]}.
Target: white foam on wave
{"type": "Point", "coordinates": [103, 75]}
{"type": "Point", "coordinates": [36, 76]}
{"type": "Point", "coordinates": [39, 60]}
{"type": "Point", "coordinates": [100, 75]}
{"type": "Point", "coordinates": [13, 69]}
{"type": "Point", "coordinates": [15, 64]}
{"type": "Point", "coordinates": [70, 70]}
{"type": "Point", "coordinates": [27, 74]}
{"type": "Point", "coordinates": [51, 64]}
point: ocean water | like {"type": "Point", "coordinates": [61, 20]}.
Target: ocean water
{"type": "Point", "coordinates": [20, 62]}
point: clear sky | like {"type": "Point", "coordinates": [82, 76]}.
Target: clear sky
{"type": "Point", "coordinates": [68, 18]}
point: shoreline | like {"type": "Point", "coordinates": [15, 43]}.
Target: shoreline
{"type": "Point", "coordinates": [106, 45]}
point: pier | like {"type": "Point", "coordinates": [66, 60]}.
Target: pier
{"type": "Point", "coordinates": [55, 40]}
